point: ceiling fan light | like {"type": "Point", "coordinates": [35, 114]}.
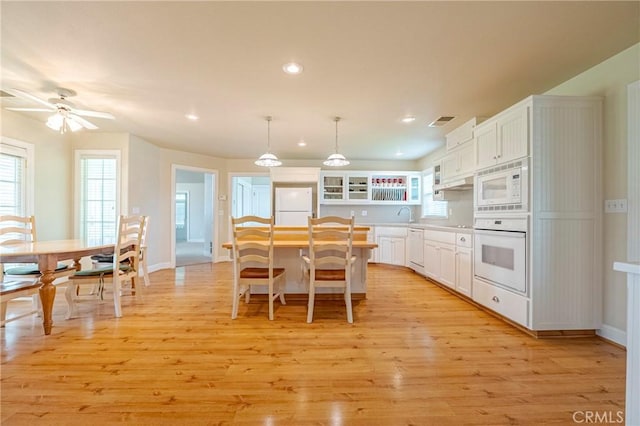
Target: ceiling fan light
{"type": "Point", "coordinates": [268, 160]}
{"type": "Point", "coordinates": [55, 122]}
{"type": "Point", "coordinates": [73, 125]}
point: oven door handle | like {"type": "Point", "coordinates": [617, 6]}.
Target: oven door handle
{"type": "Point", "coordinates": [492, 233]}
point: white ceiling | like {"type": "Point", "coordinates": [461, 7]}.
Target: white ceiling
{"type": "Point", "coordinates": [150, 63]}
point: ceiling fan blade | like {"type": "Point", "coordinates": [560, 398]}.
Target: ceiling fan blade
{"type": "Point", "coordinates": [22, 94]}
{"type": "Point", "coordinates": [29, 109]}
{"type": "Point", "coordinates": [96, 114]}
{"type": "Point", "coordinates": [85, 123]}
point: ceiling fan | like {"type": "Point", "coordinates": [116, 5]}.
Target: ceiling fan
{"type": "Point", "coordinates": [66, 116]}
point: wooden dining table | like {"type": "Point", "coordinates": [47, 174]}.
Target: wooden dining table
{"type": "Point", "coordinates": [47, 254]}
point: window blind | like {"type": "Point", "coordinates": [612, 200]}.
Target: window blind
{"type": "Point", "coordinates": [98, 199]}
{"type": "Point", "coordinates": [431, 207]}
{"type": "Point", "coordinates": [13, 165]}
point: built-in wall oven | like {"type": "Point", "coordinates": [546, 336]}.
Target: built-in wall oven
{"type": "Point", "coordinates": [500, 252]}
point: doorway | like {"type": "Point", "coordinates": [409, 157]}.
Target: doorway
{"type": "Point", "coordinates": [193, 206]}
{"type": "Point", "coordinates": [250, 195]}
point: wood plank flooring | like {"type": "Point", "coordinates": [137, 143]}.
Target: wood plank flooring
{"type": "Point", "coordinates": [415, 355]}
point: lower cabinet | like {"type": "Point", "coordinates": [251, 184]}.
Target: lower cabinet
{"type": "Point", "coordinates": [464, 263]}
{"type": "Point", "coordinates": [391, 245]}
{"type": "Point", "coordinates": [448, 259]}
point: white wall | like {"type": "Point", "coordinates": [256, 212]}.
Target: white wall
{"type": "Point", "coordinates": [143, 198]}
{"type": "Point", "coordinates": [609, 79]}
{"type": "Point", "coordinates": [196, 209]}
{"type": "Point", "coordinates": [53, 173]}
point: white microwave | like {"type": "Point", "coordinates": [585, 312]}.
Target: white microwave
{"type": "Point", "coordinates": [503, 188]}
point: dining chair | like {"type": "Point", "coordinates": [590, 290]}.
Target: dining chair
{"type": "Point", "coordinates": [10, 290]}
{"type": "Point", "coordinates": [101, 260]}
{"type": "Point", "coordinates": [124, 267]}
{"type": "Point", "coordinates": [252, 250]}
{"type": "Point", "coordinates": [20, 229]}
{"type": "Point", "coordinates": [330, 260]}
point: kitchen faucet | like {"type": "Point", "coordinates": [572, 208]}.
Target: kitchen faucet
{"type": "Point", "coordinates": [410, 212]}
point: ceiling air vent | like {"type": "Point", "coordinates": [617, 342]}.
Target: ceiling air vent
{"type": "Point", "coordinates": [4, 94]}
{"type": "Point", "coordinates": [441, 121]}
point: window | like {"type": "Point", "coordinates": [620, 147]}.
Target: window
{"type": "Point", "coordinates": [16, 187]}
{"type": "Point", "coordinates": [98, 195]}
{"type": "Point", "coordinates": [431, 207]}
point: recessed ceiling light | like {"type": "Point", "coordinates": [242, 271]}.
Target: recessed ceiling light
{"type": "Point", "coordinates": [192, 117]}
{"type": "Point", "coordinates": [398, 154]}
{"type": "Point", "coordinates": [302, 143]}
{"type": "Point", "coordinates": [292, 68]}
{"type": "Point", "coordinates": [409, 119]}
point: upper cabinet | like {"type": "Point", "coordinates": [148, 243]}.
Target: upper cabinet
{"type": "Point", "coordinates": [461, 135]}
{"type": "Point", "coordinates": [502, 138]}
{"type": "Point", "coordinates": [370, 187]}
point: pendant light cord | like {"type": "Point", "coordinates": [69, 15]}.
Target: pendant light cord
{"type": "Point", "coordinates": [269, 134]}
{"type": "Point", "coordinates": [336, 120]}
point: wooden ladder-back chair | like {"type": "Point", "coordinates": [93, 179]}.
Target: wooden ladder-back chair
{"type": "Point", "coordinates": [253, 261]}
{"type": "Point", "coordinates": [15, 278]}
{"type": "Point", "coordinates": [100, 260]}
{"type": "Point", "coordinates": [330, 261]}
{"type": "Point", "coordinates": [124, 267]}
{"type": "Point", "coordinates": [19, 229]}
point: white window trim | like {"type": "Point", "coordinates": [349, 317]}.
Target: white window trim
{"type": "Point", "coordinates": [98, 153]}
{"type": "Point", "coordinates": [29, 172]}
{"type": "Point", "coordinates": [424, 192]}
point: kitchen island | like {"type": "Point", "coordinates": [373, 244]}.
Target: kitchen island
{"type": "Point", "coordinates": [291, 242]}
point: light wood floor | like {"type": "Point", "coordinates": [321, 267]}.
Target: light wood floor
{"type": "Point", "coordinates": [415, 355]}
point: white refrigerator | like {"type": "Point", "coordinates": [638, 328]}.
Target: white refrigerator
{"type": "Point", "coordinates": [293, 206]}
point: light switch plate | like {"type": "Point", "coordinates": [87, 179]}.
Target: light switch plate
{"type": "Point", "coordinates": [615, 206]}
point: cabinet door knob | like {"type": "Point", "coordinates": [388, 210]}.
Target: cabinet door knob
{"type": "Point", "coordinates": [495, 158]}
{"type": "Point", "coordinates": [463, 239]}
{"type": "Point", "coordinates": [495, 299]}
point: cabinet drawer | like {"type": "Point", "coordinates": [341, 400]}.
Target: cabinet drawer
{"type": "Point", "coordinates": [464, 240]}
{"type": "Point", "coordinates": [508, 304]}
{"type": "Point", "coordinates": [391, 231]}
{"type": "Point", "coordinates": [440, 236]}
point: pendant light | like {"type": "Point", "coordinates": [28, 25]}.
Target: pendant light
{"type": "Point", "coordinates": [268, 159]}
{"type": "Point", "coordinates": [336, 159]}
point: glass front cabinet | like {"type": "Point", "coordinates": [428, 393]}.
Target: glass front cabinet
{"type": "Point", "coordinates": [371, 188]}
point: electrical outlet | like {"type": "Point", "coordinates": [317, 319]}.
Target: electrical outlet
{"type": "Point", "coordinates": [615, 206]}
{"type": "Point", "coordinates": [363, 212]}
{"type": "Point", "coordinates": [353, 213]}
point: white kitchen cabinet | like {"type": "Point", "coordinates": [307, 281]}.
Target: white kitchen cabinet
{"type": "Point", "coordinates": [563, 275]}
{"type": "Point", "coordinates": [464, 263]}
{"type": "Point", "coordinates": [458, 163]}
{"type": "Point", "coordinates": [503, 138]}
{"type": "Point", "coordinates": [332, 187]}
{"type": "Point", "coordinates": [461, 135]}
{"type": "Point", "coordinates": [431, 259]}
{"type": "Point", "coordinates": [447, 265]}
{"type": "Point", "coordinates": [415, 250]}
{"type": "Point", "coordinates": [391, 242]}
{"type": "Point", "coordinates": [448, 259]}
{"type": "Point", "coordinates": [439, 256]}
{"type": "Point", "coordinates": [370, 188]}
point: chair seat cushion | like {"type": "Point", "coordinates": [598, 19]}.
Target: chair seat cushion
{"type": "Point", "coordinates": [31, 269]}
{"type": "Point", "coordinates": [102, 258]}
{"type": "Point", "coordinates": [105, 270]}
{"type": "Point", "coordinates": [260, 273]}
{"type": "Point", "coordinates": [330, 275]}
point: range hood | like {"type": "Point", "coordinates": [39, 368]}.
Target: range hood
{"type": "Point", "coordinates": [461, 184]}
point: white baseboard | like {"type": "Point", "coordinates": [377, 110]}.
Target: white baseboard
{"type": "Point", "coordinates": [159, 266]}
{"type": "Point", "coordinates": [223, 259]}
{"type": "Point", "coordinates": [614, 334]}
